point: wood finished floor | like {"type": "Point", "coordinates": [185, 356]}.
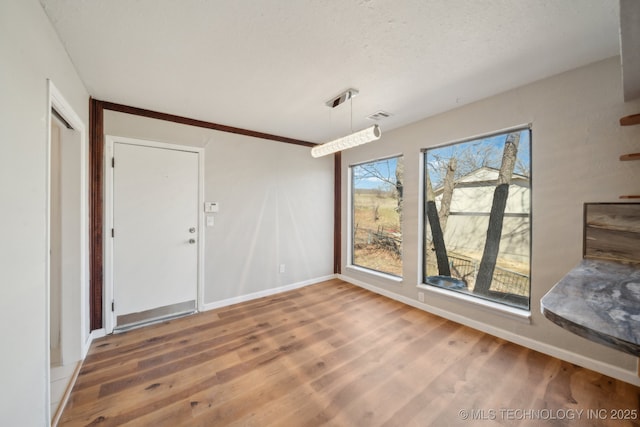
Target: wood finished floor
{"type": "Point", "coordinates": [331, 354]}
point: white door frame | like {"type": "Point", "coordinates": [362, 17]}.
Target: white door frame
{"type": "Point", "coordinates": [110, 140]}
{"type": "Point", "coordinates": [57, 101]}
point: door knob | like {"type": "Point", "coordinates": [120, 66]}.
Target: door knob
{"type": "Point", "coordinates": [192, 230]}
{"type": "Point", "coordinates": [192, 241]}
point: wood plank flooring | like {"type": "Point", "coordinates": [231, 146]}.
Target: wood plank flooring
{"type": "Point", "coordinates": [336, 355]}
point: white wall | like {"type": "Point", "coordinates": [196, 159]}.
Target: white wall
{"type": "Point", "coordinates": [31, 53]}
{"type": "Point", "coordinates": [276, 207]}
{"type": "Point", "coordinates": [576, 142]}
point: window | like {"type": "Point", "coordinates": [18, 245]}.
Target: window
{"type": "Point", "coordinates": [477, 238]}
{"type": "Point", "coordinates": [376, 201]}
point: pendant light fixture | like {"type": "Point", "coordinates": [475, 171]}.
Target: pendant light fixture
{"type": "Point", "coordinates": [354, 139]}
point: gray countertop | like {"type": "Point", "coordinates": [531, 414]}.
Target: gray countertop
{"type": "Point", "coordinates": [599, 300]}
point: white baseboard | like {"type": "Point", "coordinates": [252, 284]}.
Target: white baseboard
{"type": "Point", "coordinates": [562, 354]}
{"type": "Point", "coordinates": [265, 293]}
{"type": "Point", "coordinates": [67, 393]}
{"type": "Point", "coordinates": [96, 333]}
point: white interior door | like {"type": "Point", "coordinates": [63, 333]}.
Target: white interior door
{"type": "Point", "coordinates": [155, 221]}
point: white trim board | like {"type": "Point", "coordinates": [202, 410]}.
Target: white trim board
{"type": "Point", "coordinates": [67, 393]}
{"type": "Point", "coordinates": [265, 293]}
{"type": "Point", "coordinates": [568, 356]}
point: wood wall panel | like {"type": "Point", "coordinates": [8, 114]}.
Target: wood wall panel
{"type": "Point", "coordinates": [612, 231]}
{"type": "Point", "coordinates": [96, 173]}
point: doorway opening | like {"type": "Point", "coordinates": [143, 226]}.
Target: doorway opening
{"type": "Point", "coordinates": [67, 257]}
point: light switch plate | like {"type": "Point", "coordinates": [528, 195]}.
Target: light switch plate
{"type": "Point", "coordinates": [211, 207]}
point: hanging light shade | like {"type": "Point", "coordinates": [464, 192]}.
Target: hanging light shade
{"type": "Point", "coordinates": [358, 138]}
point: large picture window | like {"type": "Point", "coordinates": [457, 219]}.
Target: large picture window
{"type": "Point", "coordinates": [478, 217]}
{"type": "Point", "coordinates": [376, 198]}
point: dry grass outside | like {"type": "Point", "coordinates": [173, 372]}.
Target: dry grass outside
{"type": "Point", "coordinates": [375, 212]}
{"type": "Point", "coordinates": [370, 256]}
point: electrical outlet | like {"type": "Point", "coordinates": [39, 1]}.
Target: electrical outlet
{"type": "Point", "coordinates": [421, 296]}
{"type": "Point", "coordinates": [281, 268]}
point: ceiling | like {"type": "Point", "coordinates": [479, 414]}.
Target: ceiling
{"type": "Point", "coordinates": [270, 65]}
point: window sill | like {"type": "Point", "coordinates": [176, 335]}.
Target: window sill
{"type": "Point", "coordinates": [518, 314]}
{"type": "Point", "coordinates": [386, 276]}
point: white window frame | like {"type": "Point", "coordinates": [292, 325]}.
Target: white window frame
{"type": "Point", "coordinates": [505, 310]}
{"type": "Point", "coordinates": [350, 265]}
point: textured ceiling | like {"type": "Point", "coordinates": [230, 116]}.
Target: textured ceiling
{"type": "Point", "coordinates": [270, 65]}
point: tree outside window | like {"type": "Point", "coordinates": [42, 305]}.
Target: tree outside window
{"type": "Point", "coordinates": [478, 217]}
{"type": "Point", "coordinates": [376, 196]}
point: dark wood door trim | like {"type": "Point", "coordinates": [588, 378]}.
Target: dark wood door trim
{"type": "Point", "coordinates": [201, 123]}
{"type": "Point", "coordinates": [96, 176]}
{"type": "Point", "coordinates": [96, 211]}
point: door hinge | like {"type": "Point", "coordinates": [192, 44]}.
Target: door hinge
{"type": "Point", "coordinates": [113, 233]}
{"type": "Point", "coordinates": [113, 162]}
{"type": "Point", "coordinates": [113, 306]}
